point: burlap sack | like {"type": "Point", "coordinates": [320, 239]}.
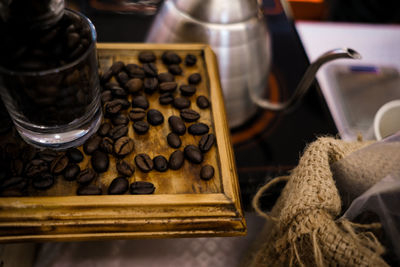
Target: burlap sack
{"type": "Point", "coordinates": [302, 229]}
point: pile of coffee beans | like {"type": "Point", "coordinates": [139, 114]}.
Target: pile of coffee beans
{"type": "Point", "coordinates": [126, 90]}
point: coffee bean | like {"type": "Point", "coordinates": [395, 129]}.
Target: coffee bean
{"type": "Point", "coordinates": [150, 85]}
{"type": "Point", "coordinates": [135, 71]}
{"type": "Point", "coordinates": [144, 162]}
{"type": "Point", "coordinates": [140, 101]}
{"type": "Point", "coordinates": [71, 171]}
{"type": "Point", "coordinates": [141, 188]}
{"type": "Point", "coordinates": [124, 168]}
{"type": "Point", "coordinates": [166, 77]}
{"type": "Point", "coordinates": [176, 160]}
{"type": "Point", "coordinates": [110, 85]}
{"type": "Point", "coordinates": [76, 52]}
{"type": "Point", "coordinates": [16, 167]}
{"type": "Point", "coordinates": [198, 129]}
{"type": "Point", "coordinates": [187, 90]}
{"type": "Point", "coordinates": [137, 114]}
{"type": "Point", "coordinates": [123, 146]}
{"type": "Point", "coordinates": [125, 104]}
{"type": "Point", "coordinates": [168, 87]}
{"type": "Point", "coordinates": [150, 69]}
{"type": "Point", "coordinates": [106, 96]}
{"type": "Point", "coordinates": [177, 125]}
{"type": "Point", "coordinates": [106, 76]}
{"type": "Point", "coordinates": [28, 153]}
{"type": "Point", "coordinates": [16, 182]}
{"type": "Point", "coordinates": [86, 176]}
{"type": "Point", "coordinates": [43, 182]}
{"type": "Point", "coordinates": [107, 145]}
{"type": "Point", "coordinates": [207, 172]}
{"type": "Point", "coordinates": [154, 117]}
{"type": "Point", "coordinates": [118, 92]}
{"type": "Point", "coordinates": [134, 85]}
{"type": "Point", "coordinates": [92, 144]}
{"type": "Point", "coordinates": [175, 69]}
{"type": "Point", "coordinates": [189, 115]}
{"type": "Point", "coordinates": [89, 190]}
{"type": "Point", "coordinates": [202, 102]}
{"type": "Point", "coordinates": [181, 102]}
{"type": "Point", "coordinates": [74, 155]}
{"type": "Point", "coordinates": [194, 78]}
{"type": "Point", "coordinates": [104, 129]}
{"type": "Point", "coordinates": [59, 164]}
{"type": "Point", "coordinates": [36, 167]}
{"type": "Point", "coordinates": [166, 98]}
{"type": "Point", "coordinates": [122, 77]}
{"type": "Point", "coordinates": [160, 163]}
{"type": "Point", "coordinates": [117, 66]}
{"type": "Point", "coordinates": [147, 57]}
{"type": "Point", "coordinates": [169, 58]}
{"type": "Point", "coordinates": [190, 60]}
{"type": "Point", "coordinates": [206, 142]}
{"type": "Point", "coordinates": [193, 154]}
{"type": "Point", "coordinates": [118, 186]}
{"type": "Point", "coordinates": [112, 107]}
{"type": "Point", "coordinates": [120, 119]}
{"type": "Point", "coordinates": [47, 155]}
{"type": "Point", "coordinates": [118, 131]}
{"type": "Point", "coordinates": [173, 140]}
{"type": "Point", "coordinates": [141, 127]}
{"type": "Point", "coordinates": [100, 161]}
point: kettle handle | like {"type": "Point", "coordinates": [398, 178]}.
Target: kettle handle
{"type": "Point", "coordinates": [306, 81]}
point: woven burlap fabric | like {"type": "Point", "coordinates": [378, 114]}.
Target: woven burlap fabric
{"type": "Point", "coordinates": [302, 229]}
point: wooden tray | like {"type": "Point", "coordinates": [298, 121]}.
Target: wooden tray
{"type": "Point", "coordinates": [182, 205]}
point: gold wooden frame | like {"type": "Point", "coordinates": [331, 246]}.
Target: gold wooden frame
{"type": "Point", "coordinates": [128, 216]}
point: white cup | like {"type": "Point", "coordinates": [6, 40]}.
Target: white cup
{"type": "Point", "coordinates": [387, 119]}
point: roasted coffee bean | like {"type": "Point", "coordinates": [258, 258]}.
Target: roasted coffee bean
{"type": "Point", "coordinates": [160, 163]}
{"type": "Point", "coordinates": [100, 161]}
{"type": "Point", "coordinates": [16, 167]}
{"type": "Point", "coordinates": [120, 119]}
{"type": "Point", "coordinates": [173, 140]}
{"type": "Point", "coordinates": [177, 125]}
{"type": "Point", "coordinates": [141, 188]}
{"type": "Point", "coordinates": [47, 155]}
{"type": "Point", "coordinates": [71, 171]}
{"type": "Point", "coordinates": [28, 153]}
{"type": "Point", "coordinates": [106, 76]}
{"type": "Point", "coordinates": [207, 172]}
{"type": "Point", "coordinates": [123, 146]}
{"type": "Point", "coordinates": [43, 182]}
{"type": "Point", "coordinates": [125, 104]}
{"type": "Point", "coordinates": [117, 66]}
{"type": "Point", "coordinates": [89, 190]}
{"type": "Point", "coordinates": [193, 154]}
{"type": "Point", "coordinates": [206, 142]}
{"type": "Point", "coordinates": [112, 107]}
{"type": "Point", "coordinates": [189, 115]}
{"type": "Point", "coordinates": [194, 78]}
{"type": "Point", "coordinates": [125, 168]}
{"type": "Point", "coordinates": [118, 131]}
{"type": "Point", "coordinates": [140, 101]}
{"type": "Point", "coordinates": [107, 145]}
{"type": "Point", "coordinates": [202, 102]}
{"type": "Point", "coordinates": [187, 90]}
{"type": "Point", "coordinates": [122, 78]}
{"type": "Point", "coordinates": [92, 144]}
{"type": "Point", "coordinates": [166, 77]}
{"type": "Point", "coordinates": [168, 87]}
{"type": "Point", "coordinates": [154, 117]}
{"type": "Point", "coordinates": [181, 102]}
{"type": "Point", "coordinates": [58, 165]}
{"type": "Point", "coordinates": [144, 162]}
{"type": "Point", "coordinates": [166, 98]}
{"type": "Point", "coordinates": [135, 71]}
{"type": "Point", "coordinates": [198, 129]}
{"type": "Point", "coordinates": [176, 160]}
{"type": "Point", "coordinates": [16, 182]}
{"type": "Point", "coordinates": [118, 186]}
{"type": "Point", "coordinates": [118, 92]}
{"type": "Point", "coordinates": [147, 57]}
{"type": "Point", "coordinates": [36, 167]}
{"type": "Point", "coordinates": [150, 85]}
{"type": "Point", "coordinates": [137, 114]}
{"type": "Point", "coordinates": [175, 69]}
{"type": "Point", "coordinates": [76, 52]}
{"type": "Point", "coordinates": [150, 69]}
{"type": "Point", "coordinates": [141, 127]}
{"type": "Point", "coordinates": [190, 60]}
{"type": "Point", "coordinates": [169, 58]}
{"type": "Point", "coordinates": [74, 155]}
{"type": "Point", "coordinates": [110, 85]}
{"type": "Point", "coordinates": [104, 129]}
{"type": "Point", "coordinates": [86, 176]}
{"type": "Point", "coordinates": [106, 96]}
{"type": "Point", "coordinates": [134, 85]}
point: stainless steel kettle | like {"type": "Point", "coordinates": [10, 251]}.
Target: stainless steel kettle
{"type": "Point", "coordinates": [238, 34]}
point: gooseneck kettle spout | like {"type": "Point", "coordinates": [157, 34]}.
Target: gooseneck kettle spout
{"type": "Point", "coordinates": [306, 81]}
